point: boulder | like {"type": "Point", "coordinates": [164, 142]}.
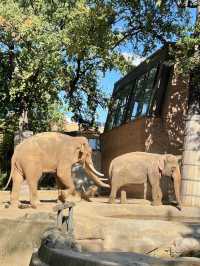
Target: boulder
{"type": "Point", "coordinates": [188, 246]}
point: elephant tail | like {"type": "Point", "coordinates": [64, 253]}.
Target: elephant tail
{"type": "Point", "coordinates": [10, 177]}
{"type": "Point", "coordinates": [13, 163]}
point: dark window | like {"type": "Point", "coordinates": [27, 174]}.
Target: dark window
{"type": "Point", "coordinates": [111, 114]}
{"type": "Point", "coordinates": [118, 110]}
{"type": "Point", "coordinates": [142, 94]}
{"type": "Point", "coordinates": [123, 98]}
{"type": "Point", "coordinates": [162, 80]}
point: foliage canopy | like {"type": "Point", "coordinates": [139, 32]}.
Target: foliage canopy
{"type": "Point", "coordinates": [51, 46]}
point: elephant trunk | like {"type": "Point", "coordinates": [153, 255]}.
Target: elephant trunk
{"type": "Point", "coordinates": [93, 175]}
{"type": "Point", "coordinates": [177, 184]}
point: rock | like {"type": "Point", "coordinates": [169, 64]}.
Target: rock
{"type": "Point", "coordinates": [56, 238]}
{"type": "Point", "coordinates": [128, 235]}
{"type": "Point", "coordinates": [185, 247]}
{"type": "Point", "coordinates": [54, 257]}
{"type": "Point", "coordinates": [6, 205]}
{"type": "Point", "coordinates": [121, 227]}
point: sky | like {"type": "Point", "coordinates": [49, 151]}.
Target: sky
{"type": "Point", "coordinates": [107, 85]}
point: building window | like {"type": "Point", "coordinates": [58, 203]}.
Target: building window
{"type": "Point", "coordinates": [94, 144]}
{"type": "Point", "coordinates": [142, 96]}
{"type": "Point", "coordinates": [118, 110]}
{"type": "Point", "coordinates": [143, 93]}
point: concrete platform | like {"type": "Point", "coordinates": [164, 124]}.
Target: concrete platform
{"type": "Point", "coordinates": [98, 227]}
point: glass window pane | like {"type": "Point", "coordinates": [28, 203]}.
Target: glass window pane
{"type": "Point", "coordinates": [144, 108]}
{"type": "Point", "coordinates": [143, 93]}
{"type": "Point", "coordinates": [121, 105]}
{"type": "Point", "coordinates": [135, 109]}
{"type": "Point", "coordinates": [141, 97]}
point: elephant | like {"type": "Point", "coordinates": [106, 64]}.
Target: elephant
{"type": "Point", "coordinates": [138, 167]}
{"type": "Point", "coordinates": [50, 152]}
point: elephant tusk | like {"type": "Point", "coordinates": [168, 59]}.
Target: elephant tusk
{"type": "Point", "coordinates": [95, 178]}
{"type": "Point", "coordinates": [103, 179]}
{"type": "Point", "coordinates": [94, 170]}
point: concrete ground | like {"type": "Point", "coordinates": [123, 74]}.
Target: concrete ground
{"type": "Point", "coordinates": [98, 226]}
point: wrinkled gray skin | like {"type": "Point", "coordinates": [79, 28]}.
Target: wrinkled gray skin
{"type": "Point", "coordinates": [138, 167]}
{"type": "Point", "coordinates": [50, 152]}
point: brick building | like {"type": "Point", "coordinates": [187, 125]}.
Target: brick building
{"type": "Point", "coordinates": [148, 111]}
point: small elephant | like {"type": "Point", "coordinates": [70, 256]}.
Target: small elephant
{"type": "Point", "coordinates": [50, 152]}
{"type": "Point", "coordinates": [138, 167]}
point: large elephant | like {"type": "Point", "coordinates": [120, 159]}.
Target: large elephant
{"type": "Point", "coordinates": [50, 152]}
{"type": "Point", "coordinates": [138, 167]}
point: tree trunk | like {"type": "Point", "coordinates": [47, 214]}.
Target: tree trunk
{"type": "Point", "coordinates": [190, 192]}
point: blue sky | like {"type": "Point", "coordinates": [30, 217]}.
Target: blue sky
{"type": "Point", "coordinates": [107, 85]}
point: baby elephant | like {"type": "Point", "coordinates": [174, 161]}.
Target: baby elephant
{"type": "Point", "coordinates": [138, 167]}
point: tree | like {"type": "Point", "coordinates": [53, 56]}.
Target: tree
{"type": "Point", "coordinates": [52, 46]}
{"type": "Point", "coordinates": [187, 57]}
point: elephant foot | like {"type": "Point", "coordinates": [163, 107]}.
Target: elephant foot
{"type": "Point", "coordinates": [176, 204]}
{"type": "Point", "coordinates": [14, 204]}
{"type": "Point", "coordinates": [156, 203]}
{"type": "Point", "coordinates": [111, 201]}
{"type": "Point", "coordinates": [35, 204]}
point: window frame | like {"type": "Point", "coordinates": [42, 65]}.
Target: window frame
{"type": "Point", "coordinates": [159, 85]}
{"type": "Point", "coordinates": [143, 77]}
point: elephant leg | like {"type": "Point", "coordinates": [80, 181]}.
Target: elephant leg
{"type": "Point", "coordinates": [156, 190]}
{"type": "Point", "coordinates": [17, 179]}
{"type": "Point", "coordinates": [156, 195]}
{"type": "Point", "coordinates": [33, 174]}
{"type": "Point", "coordinates": [65, 182]}
{"type": "Point", "coordinates": [33, 194]}
{"type": "Point", "coordinates": [113, 193]}
{"type": "Point", "coordinates": [145, 190]}
{"type": "Point", "coordinates": [61, 191]}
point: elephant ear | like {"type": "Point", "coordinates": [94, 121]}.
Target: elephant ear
{"type": "Point", "coordinates": [161, 163]}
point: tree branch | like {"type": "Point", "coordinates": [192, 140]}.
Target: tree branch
{"type": "Point", "coordinates": [127, 34]}
{"type": "Point", "coordinates": [73, 82]}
